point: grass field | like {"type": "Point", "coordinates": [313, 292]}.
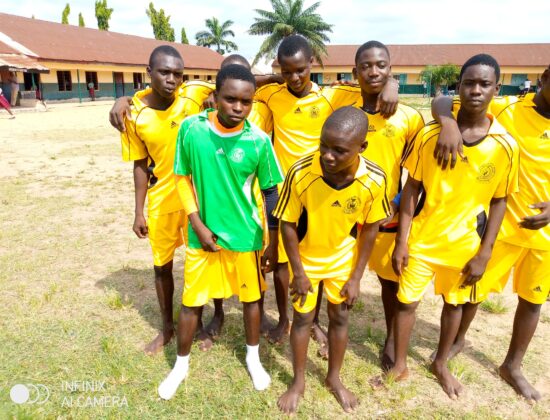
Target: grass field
{"type": "Point", "coordinates": [77, 303]}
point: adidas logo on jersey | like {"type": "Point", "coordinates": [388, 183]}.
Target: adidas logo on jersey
{"type": "Point", "coordinates": [336, 204]}
{"type": "Point", "coordinates": [297, 111]}
{"type": "Point", "coordinates": [220, 151]}
{"type": "Point", "coordinates": [537, 289]}
{"type": "Point", "coordinates": [173, 124]}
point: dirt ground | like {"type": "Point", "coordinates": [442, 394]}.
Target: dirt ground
{"type": "Point", "coordinates": [77, 302]}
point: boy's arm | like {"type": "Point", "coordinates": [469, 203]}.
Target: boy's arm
{"type": "Point", "coordinates": [141, 178]}
{"type": "Point", "coordinates": [300, 285]}
{"type": "Point", "coordinates": [474, 269]}
{"type": "Point", "coordinates": [409, 200]}
{"type": "Point", "coordinates": [388, 99]}
{"type": "Point", "coordinates": [270, 255]}
{"type": "Point", "coordinates": [120, 111]}
{"type": "Point", "coordinates": [365, 245]}
{"type": "Point", "coordinates": [266, 79]}
{"type": "Point", "coordinates": [449, 142]}
{"type": "Point", "coordinates": [540, 220]}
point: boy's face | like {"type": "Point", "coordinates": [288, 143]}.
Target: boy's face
{"type": "Point", "coordinates": [295, 71]}
{"type": "Point", "coordinates": [234, 100]}
{"type": "Point", "coordinates": [545, 88]}
{"type": "Point", "coordinates": [340, 149]}
{"type": "Point", "coordinates": [372, 70]}
{"type": "Point", "coordinates": [477, 87]}
{"type": "Point", "coordinates": [166, 75]}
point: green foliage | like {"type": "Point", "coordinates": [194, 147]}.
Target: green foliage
{"type": "Point", "coordinates": [102, 14]}
{"type": "Point", "coordinates": [161, 24]}
{"type": "Point", "coordinates": [184, 39]}
{"type": "Point", "coordinates": [215, 35]}
{"type": "Point", "coordinates": [438, 76]}
{"type": "Point", "coordinates": [81, 20]}
{"type": "Point", "coordinates": [494, 305]}
{"type": "Point", "coordinates": [65, 14]}
{"type": "Point", "coordinates": [288, 18]}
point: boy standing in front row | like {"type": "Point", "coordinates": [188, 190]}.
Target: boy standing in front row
{"type": "Point", "coordinates": [452, 237]}
{"type": "Point", "coordinates": [219, 154]}
{"type": "Point", "coordinates": [335, 188]}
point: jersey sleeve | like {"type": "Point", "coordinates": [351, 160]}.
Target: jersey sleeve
{"type": "Point", "coordinates": [261, 116]}
{"type": "Point", "coordinates": [499, 103]}
{"type": "Point", "coordinates": [182, 164]}
{"type": "Point", "coordinates": [378, 208]}
{"type": "Point", "coordinates": [198, 92]}
{"type": "Point", "coordinates": [340, 96]}
{"type": "Point", "coordinates": [413, 162]}
{"type": "Point", "coordinates": [133, 147]}
{"type": "Point", "coordinates": [269, 171]}
{"type": "Point", "coordinates": [510, 181]}
{"type": "Point", "coordinates": [289, 206]}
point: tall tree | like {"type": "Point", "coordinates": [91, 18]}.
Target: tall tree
{"type": "Point", "coordinates": [438, 76]}
{"type": "Point", "coordinates": [215, 35]}
{"type": "Point", "coordinates": [65, 14]}
{"type": "Point", "coordinates": [288, 18]}
{"type": "Point", "coordinates": [81, 20]}
{"type": "Point", "coordinates": [184, 39]}
{"type": "Point", "coordinates": [161, 24]}
{"type": "Point", "coordinates": [102, 14]}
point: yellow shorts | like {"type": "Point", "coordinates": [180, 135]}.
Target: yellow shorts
{"type": "Point", "coordinates": [166, 233]}
{"type": "Point", "coordinates": [220, 275]}
{"type": "Point", "coordinates": [531, 271]}
{"type": "Point", "coordinates": [332, 288]}
{"type": "Point", "coordinates": [380, 258]}
{"type": "Point", "coordinates": [417, 276]}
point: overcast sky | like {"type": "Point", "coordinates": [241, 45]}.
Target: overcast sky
{"type": "Point", "coordinates": [355, 21]}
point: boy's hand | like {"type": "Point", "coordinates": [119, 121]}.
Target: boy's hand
{"type": "Point", "coordinates": [299, 288]}
{"type": "Point", "coordinates": [389, 98]}
{"type": "Point", "coordinates": [269, 258]}
{"type": "Point", "coordinates": [140, 226]}
{"type": "Point", "coordinates": [449, 144]}
{"type": "Point", "coordinates": [209, 102]}
{"type": "Point", "coordinates": [540, 220]}
{"type": "Point", "coordinates": [474, 269]}
{"type": "Point", "coordinates": [393, 210]}
{"type": "Point", "coordinates": [119, 111]}
{"type": "Point", "coordinates": [343, 83]}
{"type": "Point", "coordinates": [400, 258]}
{"type": "Point", "coordinates": [207, 239]}
{"type": "Point", "coordinates": [350, 291]}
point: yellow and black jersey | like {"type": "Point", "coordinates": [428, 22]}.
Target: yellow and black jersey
{"type": "Point", "coordinates": [448, 229]}
{"type": "Point", "coordinates": [297, 122]}
{"type": "Point", "coordinates": [327, 218]}
{"type": "Point", "coordinates": [196, 92]}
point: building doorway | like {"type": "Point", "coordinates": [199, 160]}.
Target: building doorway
{"type": "Point", "coordinates": [119, 84]}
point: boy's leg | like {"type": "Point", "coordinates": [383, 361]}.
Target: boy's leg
{"type": "Point", "coordinates": [299, 339]}
{"type": "Point", "coordinates": [281, 278]}
{"type": "Point", "coordinates": [451, 316]}
{"type": "Point", "coordinates": [207, 334]}
{"type": "Point", "coordinates": [338, 315]}
{"type": "Point", "coordinates": [525, 324]}
{"type": "Point", "coordinates": [251, 315]}
{"type": "Point", "coordinates": [404, 319]}
{"type": "Point", "coordinates": [390, 302]}
{"type": "Point", "coordinates": [164, 285]}
{"type": "Point", "coordinates": [187, 325]}
{"type": "Point", "coordinates": [318, 334]}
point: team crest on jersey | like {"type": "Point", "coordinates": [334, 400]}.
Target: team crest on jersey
{"type": "Point", "coordinates": [545, 135]}
{"type": "Point", "coordinates": [371, 128]}
{"type": "Point", "coordinates": [486, 172]}
{"type": "Point", "coordinates": [352, 205]}
{"type": "Point", "coordinates": [237, 155]}
{"type": "Point", "coordinates": [314, 112]}
{"type": "Point", "coordinates": [389, 130]}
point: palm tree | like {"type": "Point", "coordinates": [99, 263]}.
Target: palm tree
{"type": "Point", "coordinates": [216, 36]}
{"type": "Point", "coordinates": [288, 18]}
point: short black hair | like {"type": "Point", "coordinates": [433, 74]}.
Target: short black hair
{"type": "Point", "coordinates": [163, 50]}
{"type": "Point", "coordinates": [235, 59]}
{"type": "Point", "coordinates": [483, 59]}
{"type": "Point", "coordinates": [368, 45]}
{"type": "Point", "coordinates": [236, 72]}
{"type": "Point", "coordinates": [348, 119]}
{"type": "Point", "coordinates": [291, 45]}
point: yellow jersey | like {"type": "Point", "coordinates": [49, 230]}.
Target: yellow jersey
{"type": "Point", "coordinates": [327, 218]}
{"type": "Point", "coordinates": [532, 132]}
{"type": "Point", "coordinates": [448, 229]}
{"type": "Point", "coordinates": [297, 122]}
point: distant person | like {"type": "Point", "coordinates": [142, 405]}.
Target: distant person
{"type": "Point", "coordinates": [14, 88]}
{"type": "Point", "coordinates": [5, 104]}
{"type": "Point", "coordinates": [91, 90]}
{"type": "Point", "coordinates": [526, 87]}
{"type": "Point", "coordinates": [424, 89]}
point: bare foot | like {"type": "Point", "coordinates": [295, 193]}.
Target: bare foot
{"type": "Point", "coordinates": [448, 382]}
{"type": "Point", "coordinates": [456, 348]}
{"type": "Point", "coordinates": [388, 355]}
{"type": "Point", "coordinates": [162, 339]}
{"type": "Point", "coordinates": [215, 326]}
{"type": "Point", "coordinates": [288, 402]}
{"type": "Point", "coordinates": [265, 326]}
{"type": "Point", "coordinates": [344, 396]}
{"type": "Point", "coordinates": [319, 335]}
{"type": "Point", "coordinates": [394, 374]}
{"type": "Point", "coordinates": [278, 334]}
{"type": "Point", "coordinates": [205, 340]}
{"type": "Point", "coordinates": [515, 378]}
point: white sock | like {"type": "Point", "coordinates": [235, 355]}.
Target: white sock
{"type": "Point", "coordinates": [169, 386]}
{"type": "Point", "coordinates": [260, 378]}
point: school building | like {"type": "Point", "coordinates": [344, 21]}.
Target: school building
{"type": "Point", "coordinates": [518, 62]}
{"type": "Point", "coordinates": [61, 61]}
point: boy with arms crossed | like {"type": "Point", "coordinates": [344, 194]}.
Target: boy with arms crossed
{"type": "Point", "coordinates": [452, 237]}
{"type": "Point", "coordinates": [219, 154]}
{"type": "Point", "coordinates": [390, 139]}
{"type": "Point", "coordinates": [524, 239]}
{"type": "Point", "coordinates": [336, 189]}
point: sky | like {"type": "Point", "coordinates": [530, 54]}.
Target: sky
{"type": "Point", "coordinates": [354, 21]}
